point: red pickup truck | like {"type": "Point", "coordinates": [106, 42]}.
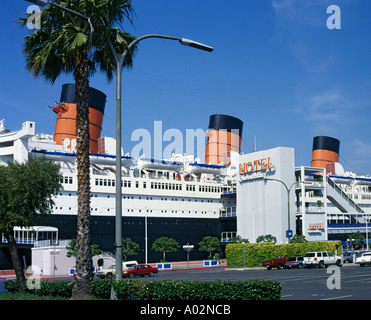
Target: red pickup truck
{"type": "Point", "coordinates": [278, 262]}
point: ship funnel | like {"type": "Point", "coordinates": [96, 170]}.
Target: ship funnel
{"type": "Point", "coordinates": [325, 150]}
{"type": "Point", "coordinates": [224, 135]}
{"type": "Point", "coordinates": [65, 128]}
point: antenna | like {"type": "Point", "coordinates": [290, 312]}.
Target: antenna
{"type": "Point", "coordinates": [254, 143]}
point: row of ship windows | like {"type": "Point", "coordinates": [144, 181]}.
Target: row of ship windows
{"type": "Point", "coordinates": [172, 211]}
{"type": "Point", "coordinates": [363, 196]}
{"type": "Point", "coordinates": [359, 196]}
{"type": "Point", "coordinates": [185, 223]}
{"type": "Point", "coordinates": [148, 210]}
{"type": "Point", "coordinates": [158, 185]}
{"type": "Point", "coordinates": [172, 223]}
{"type": "Point", "coordinates": [170, 186]}
{"type": "Point", "coordinates": [154, 185]}
{"type": "Point", "coordinates": [162, 199]}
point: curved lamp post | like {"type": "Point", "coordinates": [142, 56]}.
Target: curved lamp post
{"type": "Point", "coordinates": [120, 59]}
{"type": "Point", "coordinates": [288, 189]}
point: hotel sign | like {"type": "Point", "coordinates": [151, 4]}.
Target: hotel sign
{"type": "Point", "coordinates": [256, 165]}
{"type": "Point", "coordinates": [255, 169]}
{"type": "Point", "coordinates": [316, 227]}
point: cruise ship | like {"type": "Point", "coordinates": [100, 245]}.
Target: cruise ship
{"type": "Point", "coordinates": [180, 197]}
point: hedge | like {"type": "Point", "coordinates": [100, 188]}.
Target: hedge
{"type": "Point", "coordinates": [47, 288]}
{"type": "Point", "coordinates": [255, 253]}
{"type": "Point", "coordinates": [165, 290]}
{"type": "Point", "coordinates": [199, 290]}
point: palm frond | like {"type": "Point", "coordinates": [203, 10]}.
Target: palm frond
{"type": "Point", "coordinates": [52, 49]}
{"type": "Point", "coordinates": [74, 38]}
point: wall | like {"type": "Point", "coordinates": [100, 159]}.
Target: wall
{"type": "Point", "coordinates": [52, 261]}
{"type": "Point", "coordinates": [261, 204]}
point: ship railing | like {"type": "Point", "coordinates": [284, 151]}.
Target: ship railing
{"type": "Point", "coordinates": [343, 195]}
{"type": "Point", "coordinates": [51, 243]}
{"type": "Point", "coordinates": [312, 209]}
{"type": "Point", "coordinates": [318, 184]}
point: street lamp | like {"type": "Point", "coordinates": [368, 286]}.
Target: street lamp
{"type": "Point", "coordinates": [120, 60]}
{"type": "Point", "coordinates": [40, 2]}
{"type": "Point", "coordinates": [194, 44]}
{"type": "Point", "coordinates": [366, 220]}
{"type": "Point", "coordinates": [288, 189]}
{"type": "Point", "coordinates": [188, 248]}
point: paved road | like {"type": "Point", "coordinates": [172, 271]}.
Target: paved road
{"type": "Point", "coordinates": [349, 282]}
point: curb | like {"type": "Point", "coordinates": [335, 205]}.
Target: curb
{"type": "Point", "coordinates": [12, 277]}
{"type": "Point", "coordinates": [187, 269]}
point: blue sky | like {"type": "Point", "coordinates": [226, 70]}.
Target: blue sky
{"type": "Point", "coordinates": [276, 66]}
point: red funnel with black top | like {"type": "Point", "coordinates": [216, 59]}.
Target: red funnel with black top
{"type": "Point", "coordinates": [224, 134]}
{"type": "Point", "coordinates": [325, 150]}
{"type": "Point", "coordinates": [65, 128]}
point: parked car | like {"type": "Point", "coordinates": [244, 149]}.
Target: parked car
{"type": "Point", "coordinates": [278, 262]}
{"type": "Point", "coordinates": [364, 259]}
{"type": "Point", "coordinates": [321, 259]}
{"type": "Point", "coordinates": [294, 262]}
{"type": "Point", "coordinates": [140, 270]}
{"type": "Point", "coordinates": [347, 257]}
{"type": "Point", "coordinates": [110, 272]}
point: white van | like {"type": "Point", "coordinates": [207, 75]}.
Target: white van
{"type": "Point", "coordinates": [321, 259]}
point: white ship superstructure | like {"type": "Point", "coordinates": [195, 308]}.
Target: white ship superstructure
{"type": "Point", "coordinates": [151, 188]}
{"type": "Point", "coordinates": [178, 197]}
{"type": "Point", "coordinates": [187, 200]}
{"type": "Point", "coordinates": [332, 203]}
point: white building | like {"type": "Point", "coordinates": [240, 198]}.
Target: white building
{"type": "Point", "coordinates": [264, 180]}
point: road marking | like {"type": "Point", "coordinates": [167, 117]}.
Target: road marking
{"type": "Point", "coordinates": [364, 279]}
{"type": "Point", "coordinates": [333, 298]}
{"type": "Point", "coordinates": [318, 278]}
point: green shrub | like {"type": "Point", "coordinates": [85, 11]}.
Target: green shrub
{"type": "Point", "coordinates": [11, 286]}
{"type": "Point", "coordinates": [102, 288]}
{"type": "Point", "coordinates": [199, 290]}
{"type": "Point", "coordinates": [54, 289]}
{"type": "Point", "coordinates": [47, 288]}
{"type": "Point", "coordinates": [255, 253]}
{"type": "Point", "coordinates": [164, 290]}
{"type": "Point", "coordinates": [130, 289]}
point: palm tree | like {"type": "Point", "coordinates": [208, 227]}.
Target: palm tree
{"type": "Point", "coordinates": [67, 43]}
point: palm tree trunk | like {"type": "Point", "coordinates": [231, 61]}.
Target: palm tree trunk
{"type": "Point", "coordinates": [84, 265]}
{"type": "Point", "coordinates": [16, 261]}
